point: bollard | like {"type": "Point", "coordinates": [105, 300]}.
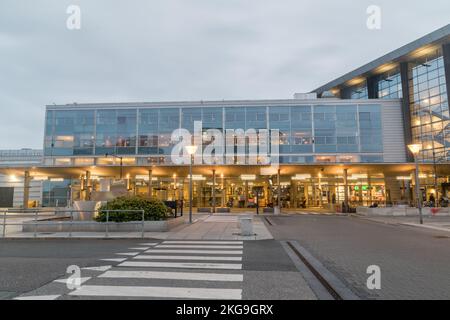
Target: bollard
{"type": "Point", "coordinates": [246, 225]}
{"type": "Point", "coordinates": [4, 223]}
{"type": "Point", "coordinates": [35, 223]}
{"type": "Point", "coordinates": [143, 224]}
{"type": "Point", "coordinates": [71, 224]}
{"type": "Point", "coordinates": [107, 223]}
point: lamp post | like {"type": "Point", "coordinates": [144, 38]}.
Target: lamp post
{"type": "Point", "coordinates": [191, 150]}
{"type": "Point", "coordinates": [415, 149]}
{"type": "Point", "coordinates": [121, 163]}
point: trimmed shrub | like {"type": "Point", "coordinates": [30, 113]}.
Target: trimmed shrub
{"type": "Point", "coordinates": [154, 210]}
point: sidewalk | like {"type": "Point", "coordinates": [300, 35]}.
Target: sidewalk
{"type": "Point", "coordinates": [205, 227]}
{"type": "Point", "coordinates": [434, 223]}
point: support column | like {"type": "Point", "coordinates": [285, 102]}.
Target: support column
{"type": "Point", "coordinates": [224, 192]}
{"type": "Point", "coordinates": [372, 87]}
{"type": "Point", "coordinates": [346, 187]}
{"type": "Point", "coordinates": [214, 192]}
{"type": "Point", "coordinates": [82, 188]}
{"type": "Point", "coordinates": [26, 189]}
{"type": "Point", "coordinates": [369, 182]}
{"type": "Point", "coordinates": [88, 185]}
{"type": "Point", "coordinates": [246, 194]}
{"type": "Point", "coordinates": [406, 109]}
{"type": "Point", "coordinates": [279, 190]}
{"type": "Point", "coordinates": [150, 183]}
{"type": "Point", "coordinates": [294, 200]}
{"type": "Point", "coordinates": [446, 53]}
{"type": "Point", "coordinates": [320, 191]}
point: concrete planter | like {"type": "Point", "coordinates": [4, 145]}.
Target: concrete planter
{"type": "Point", "coordinates": [93, 226]}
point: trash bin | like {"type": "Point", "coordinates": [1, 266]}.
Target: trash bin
{"type": "Point", "coordinates": [246, 226]}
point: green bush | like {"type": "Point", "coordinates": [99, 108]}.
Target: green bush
{"type": "Point", "coordinates": [154, 210]}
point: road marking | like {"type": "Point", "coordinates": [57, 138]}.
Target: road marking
{"type": "Point", "coordinates": [173, 275]}
{"type": "Point", "coordinates": [115, 259]}
{"type": "Point", "coordinates": [128, 254]}
{"type": "Point", "coordinates": [148, 244]}
{"type": "Point", "coordinates": [82, 280]}
{"type": "Point", "coordinates": [49, 297]}
{"type": "Point", "coordinates": [193, 246]}
{"type": "Point", "coordinates": [202, 242]}
{"type": "Point", "coordinates": [233, 252]}
{"type": "Point", "coordinates": [153, 257]}
{"type": "Point", "coordinates": [139, 248]}
{"type": "Point", "coordinates": [158, 292]}
{"type": "Point", "coordinates": [100, 268]}
{"type": "Point", "coordinates": [190, 265]}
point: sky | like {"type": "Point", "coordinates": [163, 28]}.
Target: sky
{"type": "Point", "coordinates": [177, 50]}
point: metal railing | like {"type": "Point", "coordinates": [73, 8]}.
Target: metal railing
{"type": "Point", "coordinates": [37, 219]}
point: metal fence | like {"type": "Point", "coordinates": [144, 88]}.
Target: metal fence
{"type": "Point", "coordinates": [42, 217]}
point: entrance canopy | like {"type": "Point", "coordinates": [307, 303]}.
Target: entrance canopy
{"type": "Point", "coordinates": [393, 169]}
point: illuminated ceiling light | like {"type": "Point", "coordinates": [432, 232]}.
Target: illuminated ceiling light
{"type": "Point", "coordinates": [404, 178]}
{"type": "Point", "coordinates": [248, 177]}
{"type": "Point", "coordinates": [385, 68]}
{"type": "Point", "coordinates": [301, 176]}
{"type": "Point", "coordinates": [356, 81]}
{"type": "Point", "coordinates": [40, 178]}
{"type": "Point", "coordinates": [358, 176]}
{"type": "Point", "coordinates": [57, 179]}
{"type": "Point", "coordinates": [197, 177]}
{"type": "Point", "coordinates": [423, 51]}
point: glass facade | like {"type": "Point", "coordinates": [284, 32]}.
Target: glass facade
{"type": "Point", "coordinates": [359, 92]}
{"type": "Point", "coordinates": [389, 85]}
{"type": "Point", "coordinates": [429, 107]}
{"type": "Point", "coordinates": [56, 193]}
{"type": "Point", "coordinates": [308, 133]}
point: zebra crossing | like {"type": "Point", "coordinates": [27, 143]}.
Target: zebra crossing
{"type": "Point", "coordinates": [171, 269]}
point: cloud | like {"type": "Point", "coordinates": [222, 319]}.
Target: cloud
{"type": "Point", "coordinates": [185, 50]}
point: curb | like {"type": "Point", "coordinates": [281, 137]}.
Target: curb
{"type": "Point", "coordinates": [424, 226]}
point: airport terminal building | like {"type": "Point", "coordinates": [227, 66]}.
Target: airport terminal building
{"type": "Point", "coordinates": [343, 142]}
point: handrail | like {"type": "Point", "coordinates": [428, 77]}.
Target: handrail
{"type": "Point", "coordinates": [36, 214]}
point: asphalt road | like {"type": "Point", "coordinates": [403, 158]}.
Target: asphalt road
{"type": "Point", "coordinates": [415, 263]}
{"type": "Point", "coordinates": [30, 267]}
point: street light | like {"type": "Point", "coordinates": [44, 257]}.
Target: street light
{"type": "Point", "coordinates": [191, 150]}
{"type": "Point", "coordinates": [121, 163]}
{"type": "Point", "coordinates": [415, 149]}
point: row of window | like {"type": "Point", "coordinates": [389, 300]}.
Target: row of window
{"type": "Point", "coordinates": [121, 131]}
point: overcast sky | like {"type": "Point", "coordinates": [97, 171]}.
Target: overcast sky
{"type": "Point", "coordinates": [157, 50]}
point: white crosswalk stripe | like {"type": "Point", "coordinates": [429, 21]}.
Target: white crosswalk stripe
{"type": "Point", "coordinates": [47, 297]}
{"type": "Point", "coordinates": [174, 275]}
{"type": "Point", "coordinates": [131, 254]}
{"type": "Point", "coordinates": [227, 252]}
{"type": "Point", "coordinates": [171, 269]}
{"type": "Point", "coordinates": [153, 257]}
{"type": "Point", "coordinates": [189, 265]}
{"type": "Point", "coordinates": [159, 292]}
{"type": "Point", "coordinates": [202, 242]}
{"type": "Point", "coordinates": [196, 246]}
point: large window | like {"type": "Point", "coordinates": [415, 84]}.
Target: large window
{"type": "Point", "coordinates": [305, 130]}
{"type": "Point", "coordinates": [116, 131]}
{"type": "Point", "coordinates": [429, 107]}
{"type": "Point", "coordinates": [389, 85]}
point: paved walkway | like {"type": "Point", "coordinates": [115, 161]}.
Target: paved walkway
{"type": "Point", "coordinates": [205, 227]}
